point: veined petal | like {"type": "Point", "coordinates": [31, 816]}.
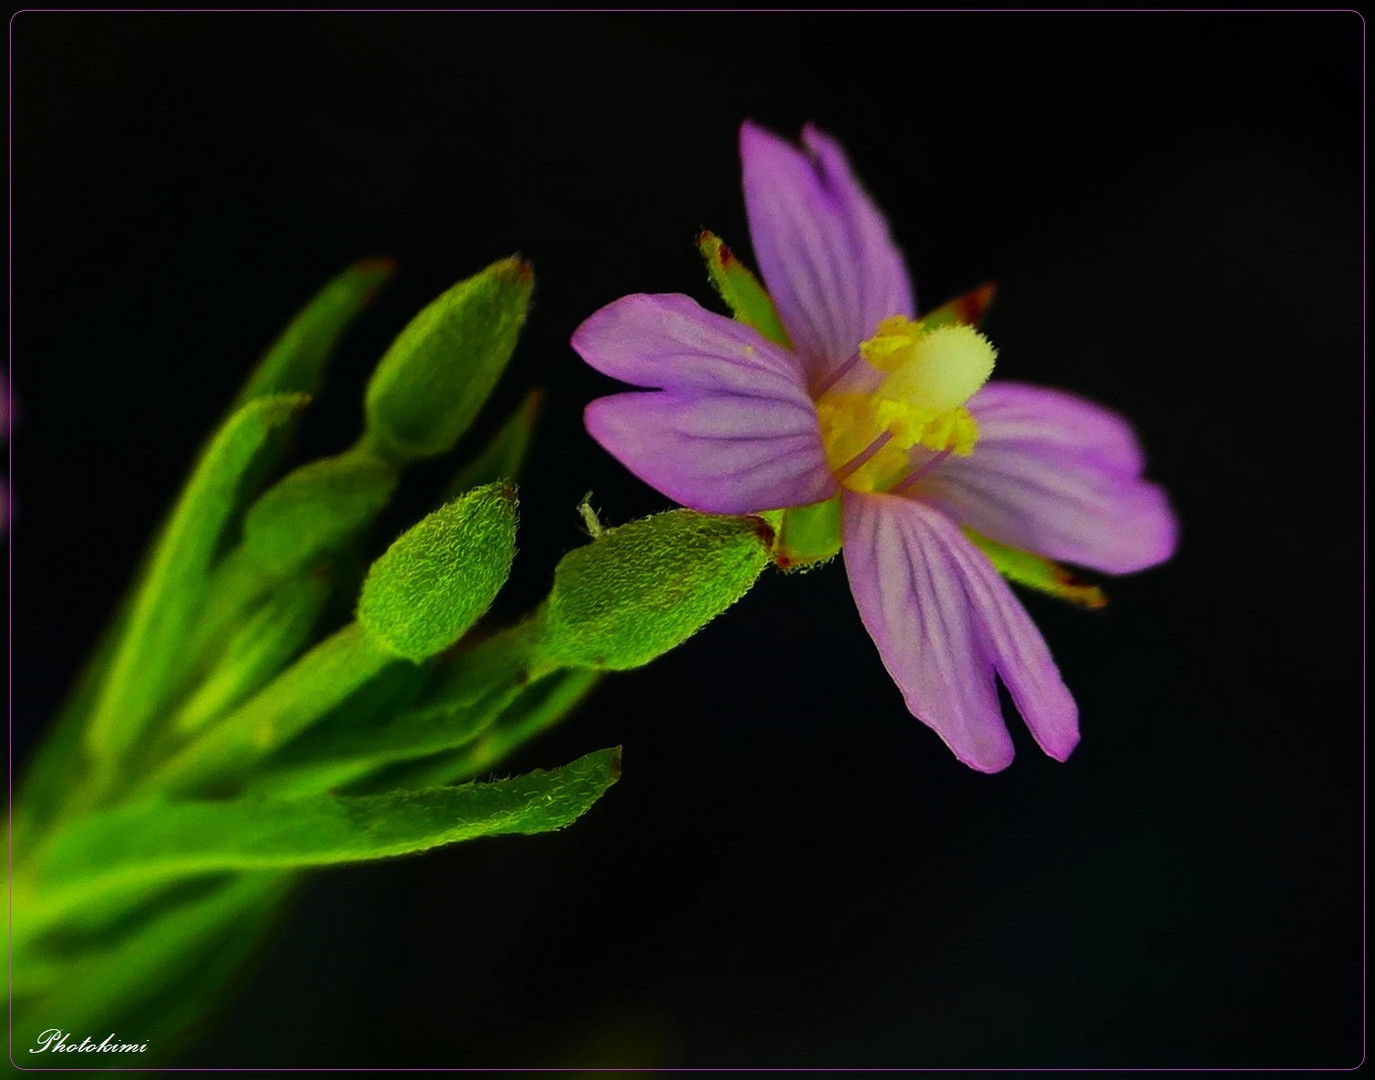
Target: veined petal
{"type": "Point", "coordinates": [944, 621]}
{"type": "Point", "coordinates": [669, 340]}
{"type": "Point", "coordinates": [1058, 476]}
{"type": "Point", "coordinates": [719, 453]}
{"type": "Point", "coordinates": [1013, 412]}
{"type": "Point", "coordinates": [823, 247]}
{"type": "Point", "coordinates": [1020, 653]}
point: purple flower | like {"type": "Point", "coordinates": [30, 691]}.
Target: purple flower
{"type": "Point", "coordinates": [892, 416]}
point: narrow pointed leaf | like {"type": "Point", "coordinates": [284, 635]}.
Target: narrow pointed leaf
{"type": "Point", "coordinates": [294, 700]}
{"type": "Point", "coordinates": [265, 643]}
{"type": "Point", "coordinates": [438, 373]}
{"type": "Point", "coordinates": [296, 361]}
{"type": "Point", "coordinates": [156, 841]}
{"type": "Point", "coordinates": [58, 767]}
{"type": "Point", "coordinates": [740, 289]}
{"type": "Point", "coordinates": [442, 574]}
{"type": "Point", "coordinates": [315, 510]}
{"type": "Point", "coordinates": [328, 764]}
{"type": "Point", "coordinates": [478, 688]}
{"type": "Point", "coordinates": [535, 709]}
{"type": "Point", "coordinates": [163, 980]}
{"type": "Point", "coordinates": [504, 454]}
{"type": "Point", "coordinates": [144, 664]}
{"type": "Point", "coordinates": [89, 970]}
{"type": "Point", "coordinates": [530, 715]}
{"type": "Point", "coordinates": [302, 522]}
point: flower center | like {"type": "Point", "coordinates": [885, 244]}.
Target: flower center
{"type": "Point", "coordinates": [917, 382]}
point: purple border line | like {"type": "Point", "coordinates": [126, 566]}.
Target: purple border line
{"type": "Point", "coordinates": [694, 11]}
{"type": "Point", "coordinates": [9, 525]}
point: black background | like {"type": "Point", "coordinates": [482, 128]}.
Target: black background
{"type": "Point", "coordinates": [793, 871]}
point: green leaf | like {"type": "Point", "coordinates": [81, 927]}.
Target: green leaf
{"type": "Point", "coordinates": [479, 685]}
{"type": "Point", "coordinates": [144, 666]}
{"type": "Point", "coordinates": [297, 698]}
{"type": "Point", "coordinates": [1038, 572]}
{"type": "Point", "coordinates": [148, 937]}
{"type": "Point", "coordinates": [58, 766]}
{"type": "Point", "coordinates": [330, 762]}
{"type": "Point", "coordinates": [504, 454]}
{"type": "Point", "coordinates": [260, 647]}
{"type": "Point", "coordinates": [153, 980]}
{"type": "Point", "coordinates": [534, 710]}
{"type": "Point", "coordinates": [741, 290]}
{"type": "Point", "coordinates": [296, 360]}
{"type": "Point", "coordinates": [438, 373]}
{"type": "Point", "coordinates": [152, 841]}
{"type": "Point", "coordinates": [314, 510]}
{"type": "Point", "coordinates": [317, 511]}
{"type": "Point", "coordinates": [440, 576]}
{"type": "Point", "coordinates": [641, 589]}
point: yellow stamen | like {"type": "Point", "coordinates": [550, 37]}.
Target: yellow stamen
{"type": "Point", "coordinates": [930, 374]}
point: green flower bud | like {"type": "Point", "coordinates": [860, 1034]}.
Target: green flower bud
{"type": "Point", "coordinates": [641, 589]}
{"type": "Point", "coordinates": [440, 576]}
{"type": "Point", "coordinates": [439, 371]}
{"type": "Point", "coordinates": [314, 510]}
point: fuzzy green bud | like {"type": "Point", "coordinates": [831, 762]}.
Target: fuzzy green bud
{"type": "Point", "coordinates": [441, 368]}
{"type": "Point", "coordinates": [431, 585]}
{"type": "Point", "coordinates": [643, 588]}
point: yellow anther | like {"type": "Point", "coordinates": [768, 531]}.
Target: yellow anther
{"type": "Point", "coordinates": [938, 369]}
{"type": "Point", "coordinates": [892, 346]}
{"type": "Point", "coordinates": [930, 374]}
{"type": "Point", "coordinates": [955, 430]}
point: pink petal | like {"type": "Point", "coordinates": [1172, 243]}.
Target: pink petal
{"type": "Point", "coordinates": [1013, 412]}
{"type": "Point", "coordinates": [1058, 476]}
{"type": "Point", "coordinates": [669, 340]}
{"type": "Point", "coordinates": [719, 453]}
{"type": "Point", "coordinates": [944, 621]}
{"type": "Point", "coordinates": [823, 246]}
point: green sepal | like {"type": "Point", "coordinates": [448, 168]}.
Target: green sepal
{"type": "Point", "coordinates": [967, 309]}
{"type": "Point", "coordinates": [1038, 572]}
{"type": "Point", "coordinates": [144, 665]}
{"type": "Point", "coordinates": [157, 841]}
{"type": "Point", "coordinates": [640, 589]}
{"type": "Point", "coordinates": [441, 368]}
{"type": "Point", "coordinates": [740, 289]}
{"type": "Point", "coordinates": [442, 574]}
{"type": "Point", "coordinates": [296, 361]}
{"type": "Point", "coordinates": [504, 454]}
{"type": "Point", "coordinates": [808, 535]}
